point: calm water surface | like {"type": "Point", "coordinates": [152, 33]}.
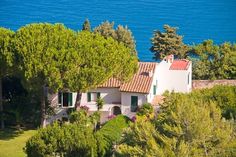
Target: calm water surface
{"type": "Point", "coordinates": [197, 19]}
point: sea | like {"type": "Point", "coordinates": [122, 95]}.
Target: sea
{"type": "Point", "coordinates": [197, 20]}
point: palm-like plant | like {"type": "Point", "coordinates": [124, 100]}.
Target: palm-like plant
{"type": "Point", "coordinates": [100, 103]}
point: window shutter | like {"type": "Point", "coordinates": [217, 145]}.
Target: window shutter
{"type": "Point", "coordinates": [88, 96]}
{"type": "Point", "coordinates": [70, 99]}
{"type": "Point", "coordinates": [154, 90]}
{"type": "Point", "coordinates": [98, 95]}
{"type": "Point", "coordinates": [59, 97]}
{"type": "Point", "coordinates": [134, 103]}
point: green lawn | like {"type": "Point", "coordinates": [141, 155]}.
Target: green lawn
{"type": "Point", "coordinates": [12, 142]}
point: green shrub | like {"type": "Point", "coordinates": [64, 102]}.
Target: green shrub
{"type": "Point", "coordinates": [67, 140]}
{"type": "Point", "coordinates": [110, 134]}
{"type": "Point", "coordinates": [146, 109]}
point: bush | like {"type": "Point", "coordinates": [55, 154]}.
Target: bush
{"type": "Point", "coordinates": [110, 134]}
{"type": "Point", "coordinates": [223, 96]}
{"type": "Point", "coordinates": [67, 140]}
{"type": "Point", "coordinates": [145, 110]}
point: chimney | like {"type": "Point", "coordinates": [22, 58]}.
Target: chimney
{"type": "Point", "coordinates": [170, 58]}
{"type": "Point", "coordinates": [150, 73]}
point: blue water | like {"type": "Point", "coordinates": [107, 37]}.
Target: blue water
{"type": "Point", "coordinates": [197, 19]}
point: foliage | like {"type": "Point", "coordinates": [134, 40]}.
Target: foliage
{"type": "Point", "coordinates": [77, 138]}
{"type": "Point", "coordinates": [110, 134]}
{"type": "Point", "coordinates": [45, 53]}
{"type": "Point", "coordinates": [140, 139]}
{"type": "Point", "coordinates": [101, 59]}
{"type": "Point", "coordinates": [57, 57]}
{"type": "Point", "coordinates": [121, 34]}
{"type": "Point", "coordinates": [21, 107]}
{"type": "Point", "coordinates": [193, 127]}
{"type": "Point", "coordinates": [6, 62]}
{"type": "Point", "coordinates": [187, 125]}
{"type": "Point", "coordinates": [6, 51]}
{"type": "Point", "coordinates": [214, 61]}
{"type": "Point", "coordinates": [100, 103]}
{"type": "Point", "coordinates": [86, 26]}
{"type": "Point", "coordinates": [222, 96]}
{"type": "Point", "coordinates": [106, 29]}
{"type": "Point", "coordinates": [168, 42]}
{"type": "Point", "coordinates": [146, 109]}
{"type": "Point", "coordinates": [67, 140]}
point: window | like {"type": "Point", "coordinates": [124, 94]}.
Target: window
{"type": "Point", "coordinates": [92, 96]}
{"type": "Point", "coordinates": [154, 89]}
{"type": "Point", "coordinates": [65, 99]}
{"type": "Point", "coordinates": [88, 97]}
{"type": "Point", "coordinates": [134, 103]}
{"type": "Point", "coordinates": [98, 95]}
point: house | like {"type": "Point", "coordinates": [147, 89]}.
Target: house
{"type": "Point", "coordinates": [146, 86]}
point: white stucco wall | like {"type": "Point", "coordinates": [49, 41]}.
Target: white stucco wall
{"type": "Point", "coordinates": [173, 80]}
{"type": "Point", "coordinates": [109, 95]}
{"type": "Point", "coordinates": [126, 102]}
{"type": "Point", "coordinates": [151, 95]}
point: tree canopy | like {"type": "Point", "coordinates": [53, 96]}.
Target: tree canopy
{"type": "Point", "coordinates": [86, 26]}
{"type": "Point", "coordinates": [185, 126]}
{"type": "Point", "coordinates": [6, 61]}
{"type": "Point", "coordinates": [121, 34]}
{"type": "Point", "coordinates": [59, 58]}
{"type": "Point", "coordinates": [212, 61]}
{"type": "Point", "coordinates": [168, 42]}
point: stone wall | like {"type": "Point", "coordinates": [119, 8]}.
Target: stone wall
{"type": "Point", "coordinates": [199, 84]}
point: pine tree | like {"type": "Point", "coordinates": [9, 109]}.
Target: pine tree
{"type": "Point", "coordinates": [86, 26]}
{"type": "Point", "coordinates": [6, 62]}
{"type": "Point", "coordinates": [121, 34]}
{"type": "Point", "coordinates": [168, 42]}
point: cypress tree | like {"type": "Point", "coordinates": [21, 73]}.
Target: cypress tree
{"type": "Point", "coordinates": [86, 26]}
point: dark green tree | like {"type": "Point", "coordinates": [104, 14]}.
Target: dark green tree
{"type": "Point", "coordinates": [67, 140]}
{"type": "Point", "coordinates": [59, 58]}
{"type": "Point", "coordinates": [186, 125]}
{"type": "Point", "coordinates": [124, 35]}
{"type": "Point", "coordinates": [46, 53]}
{"type": "Point", "coordinates": [6, 62]}
{"type": "Point", "coordinates": [101, 59]}
{"type": "Point", "coordinates": [214, 61]}
{"type": "Point", "coordinates": [86, 26]}
{"type": "Point", "coordinates": [191, 127]}
{"type": "Point", "coordinates": [168, 42]}
{"type": "Point", "coordinates": [140, 139]}
{"type": "Point", "coordinates": [121, 34]}
{"type": "Point", "coordinates": [106, 29]}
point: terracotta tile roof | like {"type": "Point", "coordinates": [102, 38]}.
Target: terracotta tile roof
{"type": "Point", "coordinates": [112, 82]}
{"type": "Point", "coordinates": [142, 80]}
{"type": "Point", "coordinates": [140, 83]}
{"type": "Point", "coordinates": [182, 64]}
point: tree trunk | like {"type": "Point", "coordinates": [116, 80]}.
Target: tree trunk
{"type": "Point", "coordinates": [43, 108]}
{"type": "Point", "coordinates": [1, 106]}
{"type": "Point", "coordinates": [78, 99]}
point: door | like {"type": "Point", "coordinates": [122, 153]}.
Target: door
{"type": "Point", "coordinates": [134, 103]}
